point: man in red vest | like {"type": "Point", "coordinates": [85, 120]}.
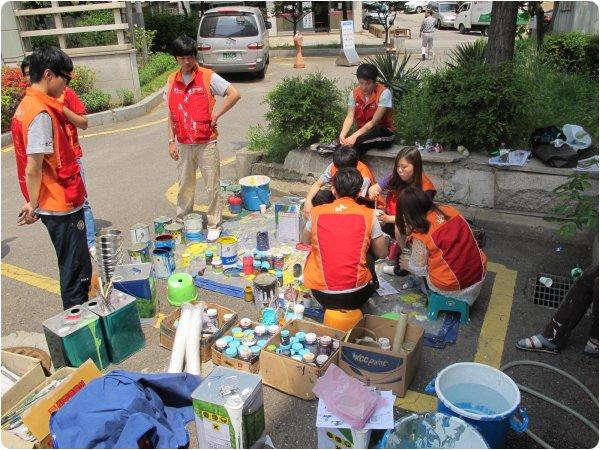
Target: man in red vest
{"type": "Point", "coordinates": [190, 95]}
{"type": "Point", "coordinates": [48, 173]}
{"type": "Point", "coordinates": [370, 107]}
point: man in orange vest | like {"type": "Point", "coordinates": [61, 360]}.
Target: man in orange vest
{"type": "Point", "coordinates": [341, 234]}
{"type": "Point", "coordinates": [370, 106]}
{"type": "Point", "coordinates": [48, 173]}
{"type": "Point", "coordinates": [190, 95]}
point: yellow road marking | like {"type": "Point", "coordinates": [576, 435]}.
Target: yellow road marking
{"type": "Point", "coordinates": [103, 133]}
{"type": "Point", "coordinates": [31, 278]}
{"type": "Point", "coordinates": [173, 190]}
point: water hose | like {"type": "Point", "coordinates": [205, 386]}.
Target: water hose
{"type": "Point", "coordinates": [541, 396]}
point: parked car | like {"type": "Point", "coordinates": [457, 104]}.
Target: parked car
{"type": "Point", "coordinates": [547, 19]}
{"type": "Point", "coordinates": [372, 17]}
{"type": "Point", "coordinates": [415, 6]}
{"type": "Point", "coordinates": [234, 39]}
{"type": "Point", "coordinates": [444, 13]}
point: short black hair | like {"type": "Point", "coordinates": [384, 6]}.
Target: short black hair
{"type": "Point", "coordinates": [25, 64]}
{"type": "Point", "coordinates": [348, 182]}
{"type": "Point", "coordinates": [51, 58]}
{"type": "Point", "coordinates": [367, 72]}
{"type": "Point", "coordinates": [344, 156]}
{"type": "Point", "coordinates": [184, 46]}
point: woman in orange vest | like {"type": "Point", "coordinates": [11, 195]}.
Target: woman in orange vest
{"type": "Point", "coordinates": [444, 249]}
{"type": "Point", "coordinates": [341, 233]}
{"type": "Point", "coordinates": [370, 106]}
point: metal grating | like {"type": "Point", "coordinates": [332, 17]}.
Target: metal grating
{"type": "Point", "coordinates": [550, 297]}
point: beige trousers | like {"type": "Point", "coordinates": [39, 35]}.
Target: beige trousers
{"type": "Point", "coordinates": [206, 158]}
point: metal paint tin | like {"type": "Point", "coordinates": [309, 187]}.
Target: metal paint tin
{"type": "Point", "coordinates": [228, 245]}
{"type": "Point", "coordinates": [139, 253]}
{"type": "Point", "coordinates": [163, 262]}
{"type": "Point", "coordinates": [160, 223]}
{"type": "Point", "coordinates": [192, 222]}
{"type": "Point", "coordinates": [164, 241]}
{"type": "Point", "coordinates": [175, 230]}
{"type": "Point", "coordinates": [140, 232]}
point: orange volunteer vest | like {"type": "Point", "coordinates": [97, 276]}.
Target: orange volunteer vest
{"type": "Point", "coordinates": [340, 239]}
{"type": "Point", "coordinates": [364, 111]}
{"type": "Point", "coordinates": [455, 260]}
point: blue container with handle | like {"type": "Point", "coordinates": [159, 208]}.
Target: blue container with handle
{"type": "Point", "coordinates": [255, 191]}
{"type": "Point", "coordinates": [482, 396]}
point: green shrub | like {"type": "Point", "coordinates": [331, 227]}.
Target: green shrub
{"type": "Point", "coordinates": [572, 52]}
{"type": "Point", "coordinates": [93, 39]}
{"type": "Point", "coordinates": [306, 109]}
{"type": "Point", "coordinates": [95, 101]}
{"type": "Point", "coordinates": [169, 27]}
{"type": "Point", "coordinates": [43, 41]}
{"type": "Point", "coordinates": [274, 145]}
{"type": "Point", "coordinates": [394, 73]}
{"type": "Point", "coordinates": [159, 63]}
{"type": "Point", "coordinates": [413, 118]}
{"type": "Point", "coordinates": [83, 80]}
{"type": "Point", "coordinates": [468, 54]}
{"type": "Point", "coordinates": [576, 205]}
{"type": "Point", "coordinates": [125, 97]}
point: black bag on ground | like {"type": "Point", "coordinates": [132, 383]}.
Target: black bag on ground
{"type": "Point", "coordinates": [546, 136]}
{"type": "Point", "coordinates": [561, 157]}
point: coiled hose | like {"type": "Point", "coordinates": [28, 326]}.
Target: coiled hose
{"type": "Point", "coordinates": [589, 393]}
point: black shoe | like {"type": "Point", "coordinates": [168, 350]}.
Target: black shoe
{"type": "Point", "coordinates": [398, 271]}
{"type": "Point", "coordinates": [423, 57]}
{"type": "Point", "coordinates": [375, 282]}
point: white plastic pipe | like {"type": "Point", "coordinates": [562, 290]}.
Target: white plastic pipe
{"type": "Point", "coordinates": [400, 330]}
{"type": "Point", "coordinates": [192, 343]}
{"type": "Point", "coordinates": [178, 352]}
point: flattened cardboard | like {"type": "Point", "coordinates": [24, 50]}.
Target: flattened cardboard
{"type": "Point", "coordinates": [31, 373]}
{"type": "Point", "coordinates": [386, 369]}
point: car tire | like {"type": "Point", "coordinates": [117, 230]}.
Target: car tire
{"type": "Point", "coordinates": [419, 10]}
{"type": "Point", "coordinates": [261, 73]}
{"type": "Point", "coordinates": [439, 25]}
{"type": "Point", "coordinates": [462, 29]}
{"type": "Point", "coordinates": [484, 31]}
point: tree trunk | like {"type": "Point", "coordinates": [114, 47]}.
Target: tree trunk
{"type": "Point", "coordinates": [539, 22]}
{"type": "Point", "coordinates": [501, 37]}
{"type": "Point", "coordinates": [554, 12]}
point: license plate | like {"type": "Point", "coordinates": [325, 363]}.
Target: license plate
{"type": "Point", "coordinates": [229, 55]}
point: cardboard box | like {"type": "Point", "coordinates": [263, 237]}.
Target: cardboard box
{"type": "Point", "coordinates": [31, 373]}
{"type": "Point", "coordinates": [289, 219]}
{"type": "Point", "coordinates": [229, 409]}
{"type": "Point", "coordinates": [167, 329]}
{"type": "Point", "coordinates": [37, 417]}
{"type": "Point", "coordinates": [385, 369]}
{"type": "Point", "coordinates": [221, 359]}
{"type": "Point", "coordinates": [288, 375]}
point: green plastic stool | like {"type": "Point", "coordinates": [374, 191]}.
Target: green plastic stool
{"type": "Point", "coordinates": [437, 302]}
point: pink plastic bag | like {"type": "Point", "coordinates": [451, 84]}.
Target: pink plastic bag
{"type": "Point", "coordinates": [346, 397]}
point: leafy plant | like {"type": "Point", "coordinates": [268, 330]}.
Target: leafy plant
{"type": "Point", "coordinates": [83, 80]}
{"type": "Point", "coordinates": [579, 209]}
{"type": "Point", "coordinates": [292, 12]}
{"type": "Point", "coordinates": [159, 63]}
{"type": "Point", "coordinates": [125, 97]}
{"type": "Point", "coordinates": [573, 52]}
{"type": "Point", "coordinates": [144, 41]}
{"type": "Point", "coordinates": [13, 89]}
{"type": "Point", "coordinates": [93, 39]}
{"type": "Point", "coordinates": [96, 100]}
{"type": "Point", "coordinates": [395, 74]}
{"type": "Point", "coordinates": [274, 145]}
{"type": "Point", "coordinates": [468, 54]}
{"type": "Point", "coordinates": [169, 27]}
{"type": "Point", "coordinates": [413, 115]}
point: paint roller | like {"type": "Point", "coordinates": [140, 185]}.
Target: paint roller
{"type": "Point", "coordinates": [400, 331]}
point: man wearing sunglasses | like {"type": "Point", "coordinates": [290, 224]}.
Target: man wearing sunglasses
{"type": "Point", "coordinates": [48, 172]}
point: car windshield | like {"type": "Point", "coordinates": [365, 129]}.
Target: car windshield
{"type": "Point", "coordinates": [228, 25]}
{"type": "Point", "coordinates": [448, 7]}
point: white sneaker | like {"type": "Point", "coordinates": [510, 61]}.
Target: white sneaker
{"type": "Point", "coordinates": [213, 234]}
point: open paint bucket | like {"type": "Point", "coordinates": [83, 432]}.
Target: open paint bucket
{"type": "Point", "coordinates": [432, 430]}
{"type": "Point", "coordinates": [255, 191]}
{"type": "Point", "coordinates": [482, 396]}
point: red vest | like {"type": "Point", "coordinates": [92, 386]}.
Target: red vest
{"type": "Point", "coordinates": [72, 101]}
{"type": "Point", "coordinates": [455, 261]}
{"type": "Point", "coordinates": [364, 111]}
{"type": "Point", "coordinates": [62, 187]}
{"type": "Point", "coordinates": [191, 107]}
{"type": "Point", "coordinates": [340, 239]}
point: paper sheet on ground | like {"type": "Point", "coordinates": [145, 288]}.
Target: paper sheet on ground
{"type": "Point", "coordinates": [386, 288]}
{"type": "Point", "coordinates": [382, 418]}
{"type": "Point", "coordinates": [588, 164]}
{"type": "Point", "coordinates": [514, 158]}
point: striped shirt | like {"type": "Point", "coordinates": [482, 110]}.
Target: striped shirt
{"type": "Point", "coordinates": [428, 25]}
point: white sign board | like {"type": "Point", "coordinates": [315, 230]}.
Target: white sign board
{"type": "Point", "coordinates": [307, 20]}
{"type": "Point", "coordinates": [348, 55]}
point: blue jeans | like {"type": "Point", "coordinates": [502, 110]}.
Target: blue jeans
{"type": "Point", "coordinates": [90, 227]}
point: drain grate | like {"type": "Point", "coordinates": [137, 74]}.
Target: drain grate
{"type": "Point", "coordinates": [550, 297]}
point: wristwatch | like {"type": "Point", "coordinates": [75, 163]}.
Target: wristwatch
{"type": "Point", "coordinates": [171, 141]}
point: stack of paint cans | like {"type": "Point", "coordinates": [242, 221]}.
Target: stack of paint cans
{"type": "Point", "coordinates": [160, 223]}
{"type": "Point", "coordinates": [163, 256]}
{"type": "Point", "coordinates": [176, 230]}
{"type": "Point", "coordinates": [192, 225]}
{"type": "Point", "coordinates": [109, 251]}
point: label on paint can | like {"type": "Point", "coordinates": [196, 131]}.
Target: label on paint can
{"type": "Point", "coordinates": [140, 232]}
{"type": "Point", "coordinates": [175, 230]}
{"type": "Point", "coordinates": [228, 249]}
{"type": "Point", "coordinates": [163, 262]}
{"type": "Point", "coordinates": [160, 223]}
{"type": "Point", "coordinates": [139, 253]}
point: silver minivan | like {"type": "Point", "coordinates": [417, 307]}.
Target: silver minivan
{"type": "Point", "coordinates": [234, 39]}
{"type": "Point", "coordinates": [444, 13]}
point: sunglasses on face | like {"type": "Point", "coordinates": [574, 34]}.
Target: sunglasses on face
{"type": "Point", "coordinates": [67, 78]}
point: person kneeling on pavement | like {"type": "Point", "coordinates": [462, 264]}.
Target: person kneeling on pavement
{"type": "Point", "coordinates": [444, 249]}
{"type": "Point", "coordinates": [341, 234]}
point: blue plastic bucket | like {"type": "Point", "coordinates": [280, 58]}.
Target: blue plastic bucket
{"type": "Point", "coordinates": [482, 396]}
{"type": "Point", "coordinates": [255, 191]}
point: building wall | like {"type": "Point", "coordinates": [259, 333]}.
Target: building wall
{"type": "Point", "coordinates": [576, 16]}
{"type": "Point", "coordinates": [12, 47]}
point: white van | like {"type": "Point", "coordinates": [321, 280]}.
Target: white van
{"type": "Point", "coordinates": [234, 39]}
{"type": "Point", "coordinates": [478, 15]}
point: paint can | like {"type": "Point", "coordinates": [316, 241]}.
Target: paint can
{"type": "Point", "coordinates": [140, 232]}
{"type": "Point", "coordinates": [228, 246]}
{"type": "Point", "coordinates": [163, 262]}
{"type": "Point", "coordinates": [139, 253]}
{"type": "Point", "coordinates": [248, 294]}
{"type": "Point", "coordinates": [247, 266]}
{"type": "Point", "coordinates": [265, 289]}
{"type": "Point", "coordinates": [164, 241]}
{"type": "Point", "coordinates": [175, 230]}
{"type": "Point", "coordinates": [160, 223]}
{"type": "Point", "coordinates": [192, 222]}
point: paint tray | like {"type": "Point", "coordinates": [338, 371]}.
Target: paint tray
{"type": "Point", "coordinates": [135, 280]}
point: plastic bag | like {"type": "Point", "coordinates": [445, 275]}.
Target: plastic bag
{"type": "Point", "coordinates": [346, 397]}
{"type": "Point", "coordinates": [577, 137]}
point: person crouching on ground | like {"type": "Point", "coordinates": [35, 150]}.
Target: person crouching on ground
{"type": "Point", "coordinates": [341, 234]}
{"type": "Point", "coordinates": [444, 249]}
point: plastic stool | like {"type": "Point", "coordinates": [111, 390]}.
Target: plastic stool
{"type": "Point", "coordinates": [342, 319]}
{"type": "Point", "coordinates": [437, 302]}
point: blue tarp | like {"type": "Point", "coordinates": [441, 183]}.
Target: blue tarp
{"type": "Point", "coordinates": [120, 408]}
